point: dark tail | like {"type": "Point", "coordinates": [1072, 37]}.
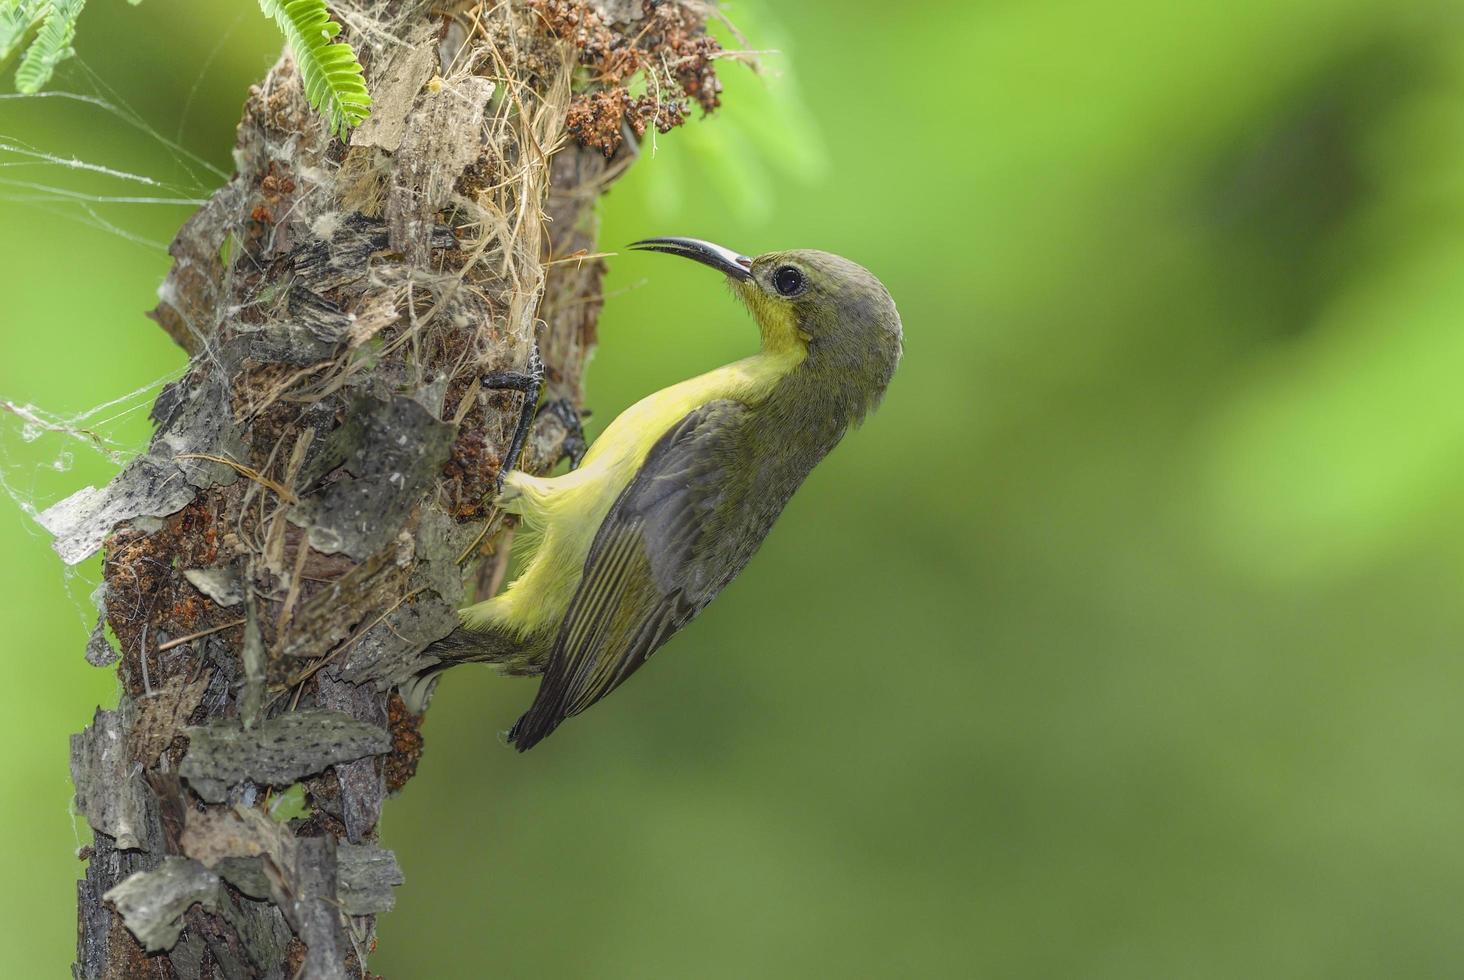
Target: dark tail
{"type": "Point", "coordinates": [533, 727]}
{"type": "Point", "coordinates": [490, 645]}
{"type": "Point", "coordinates": [460, 646]}
{"type": "Point", "coordinates": [513, 655]}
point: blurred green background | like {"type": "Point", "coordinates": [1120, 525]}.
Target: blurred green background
{"type": "Point", "coordinates": [1124, 641]}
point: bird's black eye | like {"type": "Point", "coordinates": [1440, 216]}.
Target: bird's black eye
{"type": "Point", "coordinates": [788, 281]}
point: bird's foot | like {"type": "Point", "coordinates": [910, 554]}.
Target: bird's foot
{"type": "Point", "coordinates": [529, 382]}
{"type": "Point", "coordinates": [572, 445]}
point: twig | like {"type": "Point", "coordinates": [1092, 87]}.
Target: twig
{"type": "Point", "coordinates": [199, 635]}
{"type": "Point", "coordinates": [282, 491]}
{"type": "Point", "coordinates": [488, 528]}
{"type": "Point", "coordinates": [147, 690]}
{"type": "Point", "coordinates": [580, 256]}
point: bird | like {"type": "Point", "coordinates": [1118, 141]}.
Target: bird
{"type": "Point", "coordinates": [676, 494]}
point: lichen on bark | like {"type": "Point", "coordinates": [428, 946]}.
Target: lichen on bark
{"type": "Point", "coordinates": [310, 510]}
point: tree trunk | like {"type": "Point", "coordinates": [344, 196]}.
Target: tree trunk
{"type": "Point", "coordinates": [318, 487]}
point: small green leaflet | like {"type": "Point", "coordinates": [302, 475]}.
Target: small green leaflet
{"type": "Point", "coordinates": [332, 76]}
{"type": "Point", "coordinates": [53, 24]}
{"type": "Point", "coordinates": [17, 18]}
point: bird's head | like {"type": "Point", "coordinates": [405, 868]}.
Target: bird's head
{"type": "Point", "coordinates": [832, 312]}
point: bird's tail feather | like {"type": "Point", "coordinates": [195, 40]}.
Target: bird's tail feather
{"type": "Point", "coordinates": [492, 645]}
{"type": "Point", "coordinates": [532, 728]}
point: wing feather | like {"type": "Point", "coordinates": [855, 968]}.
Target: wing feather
{"type": "Point", "coordinates": [640, 583]}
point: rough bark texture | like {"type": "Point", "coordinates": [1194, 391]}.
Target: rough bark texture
{"type": "Point", "coordinates": [305, 518]}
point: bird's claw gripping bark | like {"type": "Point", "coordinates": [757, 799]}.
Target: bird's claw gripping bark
{"type": "Point", "coordinates": [573, 446]}
{"type": "Point", "coordinates": [529, 382]}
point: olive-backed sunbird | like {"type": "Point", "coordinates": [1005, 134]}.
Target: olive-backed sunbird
{"type": "Point", "coordinates": [676, 494]}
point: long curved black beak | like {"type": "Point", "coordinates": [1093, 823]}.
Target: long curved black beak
{"type": "Point", "coordinates": [724, 260]}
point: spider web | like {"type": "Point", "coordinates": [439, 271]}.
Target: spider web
{"type": "Point", "coordinates": [50, 168]}
{"type": "Point", "coordinates": [48, 451]}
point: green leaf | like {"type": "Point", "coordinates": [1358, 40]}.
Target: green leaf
{"type": "Point", "coordinates": [17, 19]}
{"type": "Point", "coordinates": [332, 77]}
{"type": "Point", "coordinates": [290, 805]}
{"type": "Point", "coordinates": [51, 46]}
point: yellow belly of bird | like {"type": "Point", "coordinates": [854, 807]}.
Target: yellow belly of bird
{"type": "Point", "coordinates": [568, 510]}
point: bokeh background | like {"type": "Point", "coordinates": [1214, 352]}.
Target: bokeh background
{"type": "Point", "coordinates": [1124, 641]}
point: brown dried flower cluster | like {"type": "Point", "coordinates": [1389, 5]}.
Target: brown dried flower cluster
{"type": "Point", "coordinates": [594, 119]}
{"type": "Point", "coordinates": [667, 44]}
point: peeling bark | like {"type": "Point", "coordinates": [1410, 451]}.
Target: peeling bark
{"type": "Point", "coordinates": [317, 491]}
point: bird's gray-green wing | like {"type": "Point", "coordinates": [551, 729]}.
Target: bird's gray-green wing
{"type": "Point", "coordinates": [645, 576]}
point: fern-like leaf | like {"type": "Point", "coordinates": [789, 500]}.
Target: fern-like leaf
{"type": "Point", "coordinates": [333, 78]}
{"type": "Point", "coordinates": [17, 19]}
{"type": "Point", "coordinates": [51, 46]}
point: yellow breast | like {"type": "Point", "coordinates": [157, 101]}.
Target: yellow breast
{"type": "Point", "coordinates": [568, 510]}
